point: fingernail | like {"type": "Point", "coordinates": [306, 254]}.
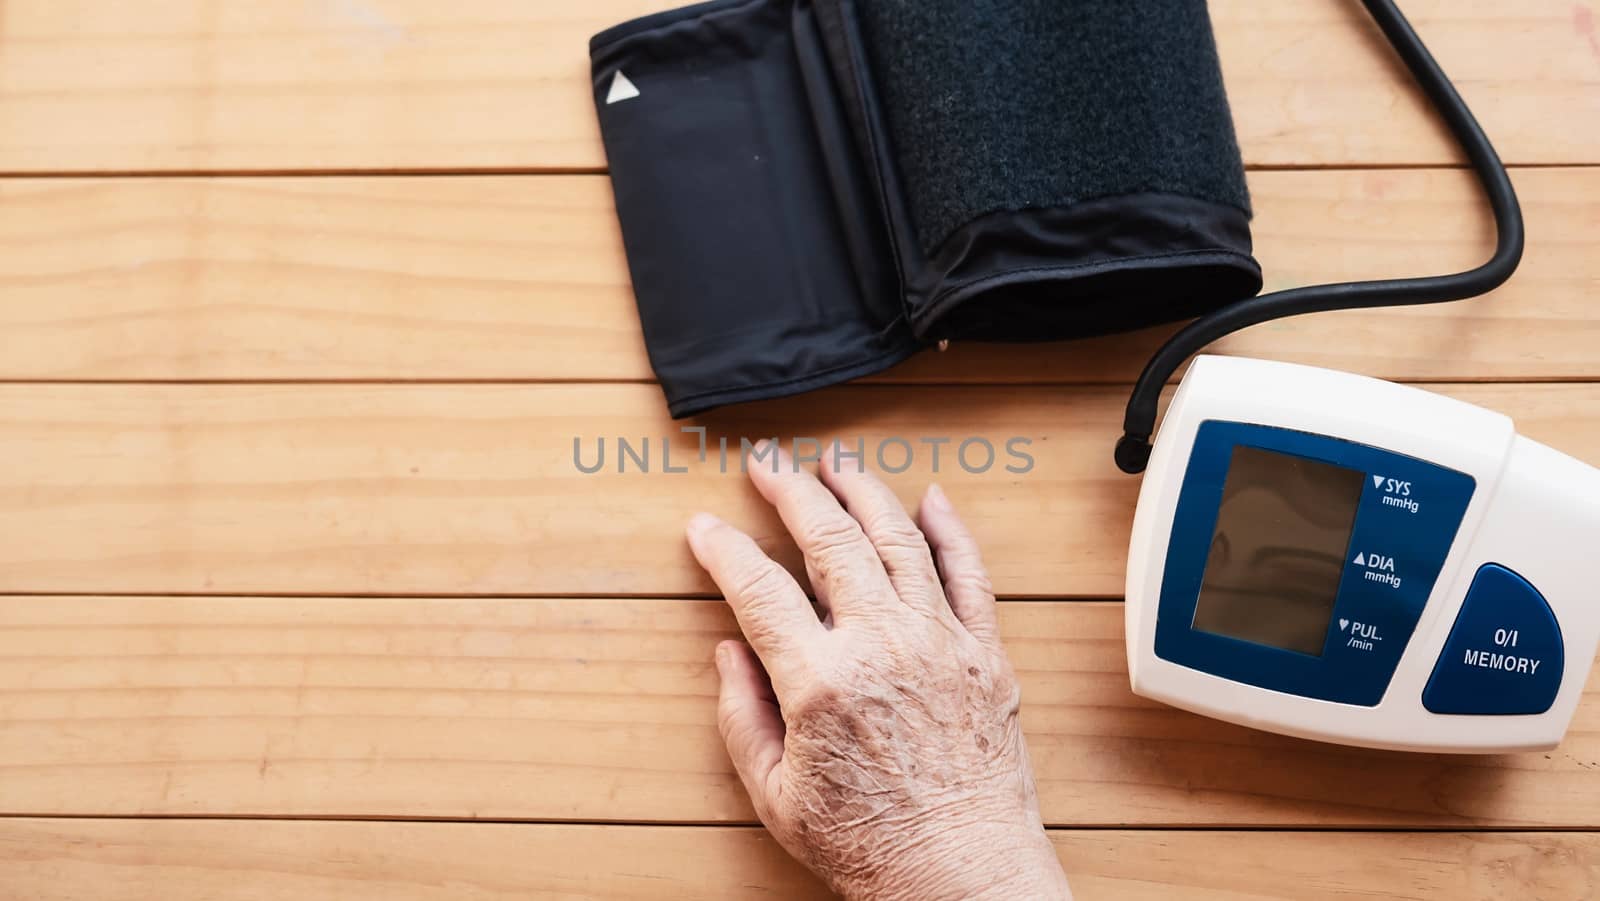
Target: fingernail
{"type": "Point", "coordinates": [723, 658]}
{"type": "Point", "coordinates": [701, 523]}
{"type": "Point", "coordinates": [938, 499]}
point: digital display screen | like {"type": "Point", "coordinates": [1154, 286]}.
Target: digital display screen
{"type": "Point", "coordinates": [1283, 530]}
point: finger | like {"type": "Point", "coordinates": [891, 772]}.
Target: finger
{"type": "Point", "coordinates": [966, 582]}
{"type": "Point", "coordinates": [895, 538]}
{"type": "Point", "coordinates": [751, 726]}
{"type": "Point", "coordinates": [819, 589]}
{"type": "Point", "coordinates": [845, 564]}
{"type": "Point", "coordinates": [773, 612]}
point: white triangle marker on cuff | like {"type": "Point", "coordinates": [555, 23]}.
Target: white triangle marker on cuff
{"type": "Point", "coordinates": [621, 89]}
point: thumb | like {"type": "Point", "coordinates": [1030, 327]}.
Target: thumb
{"type": "Point", "coordinates": [966, 582]}
{"type": "Point", "coordinates": [747, 715]}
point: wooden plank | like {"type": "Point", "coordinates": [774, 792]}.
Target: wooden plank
{"type": "Point", "coordinates": [475, 489]}
{"type": "Point", "coordinates": [603, 709]}
{"type": "Point", "coordinates": [524, 278]}
{"type": "Point", "coordinates": [538, 709]}
{"type": "Point", "coordinates": [408, 84]}
{"type": "Point", "coordinates": [360, 278]}
{"type": "Point", "coordinates": [185, 860]}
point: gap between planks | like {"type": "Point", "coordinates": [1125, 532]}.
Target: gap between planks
{"type": "Point", "coordinates": [557, 171]}
{"type": "Point", "coordinates": [513, 382]}
{"type": "Point", "coordinates": [712, 825]}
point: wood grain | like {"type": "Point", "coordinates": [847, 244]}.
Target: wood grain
{"type": "Point", "coordinates": [524, 278]}
{"type": "Point", "coordinates": [474, 489]}
{"type": "Point", "coordinates": [462, 697]}
{"type": "Point", "coordinates": [604, 710]}
{"type": "Point", "coordinates": [178, 860]}
{"type": "Point", "coordinates": [412, 84]}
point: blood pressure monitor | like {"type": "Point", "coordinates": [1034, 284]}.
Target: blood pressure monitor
{"type": "Point", "coordinates": [1345, 559]}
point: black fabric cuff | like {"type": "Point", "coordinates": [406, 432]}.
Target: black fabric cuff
{"type": "Point", "coordinates": [796, 215]}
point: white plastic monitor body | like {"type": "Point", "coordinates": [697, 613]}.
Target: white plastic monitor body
{"type": "Point", "coordinates": [1534, 511]}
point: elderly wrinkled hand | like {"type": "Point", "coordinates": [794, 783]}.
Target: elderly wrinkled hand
{"type": "Point", "coordinates": [877, 733]}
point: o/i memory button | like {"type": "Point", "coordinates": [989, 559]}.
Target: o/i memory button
{"type": "Point", "coordinates": [1504, 655]}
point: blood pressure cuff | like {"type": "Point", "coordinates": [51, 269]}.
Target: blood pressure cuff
{"type": "Point", "coordinates": [814, 190]}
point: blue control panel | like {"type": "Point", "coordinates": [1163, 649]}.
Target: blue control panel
{"type": "Point", "coordinates": [1405, 522]}
{"type": "Point", "coordinates": [1504, 655]}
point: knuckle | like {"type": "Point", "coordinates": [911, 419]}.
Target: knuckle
{"type": "Point", "coordinates": [1005, 687]}
{"type": "Point", "coordinates": [764, 631]}
{"type": "Point", "coordinates": [831, 539]}
{"type": "Point", "coordinates": [760, 603]}
{"type": "Point", "coordinates": [1005, 677]}
{"type": "Point", "coordinates": [820, 700]}
{"type": "Point", "coordinates": [759, 582]}
{"type": "Point", "coordinates": [971, 583]}
{"type": "Point", "coordinates": [963, 554]}
{"type": "Point", "coordinates": [896, 534]}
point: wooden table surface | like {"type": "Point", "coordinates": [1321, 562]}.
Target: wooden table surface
{"type": "Point", "coordinates": [304, 303]}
